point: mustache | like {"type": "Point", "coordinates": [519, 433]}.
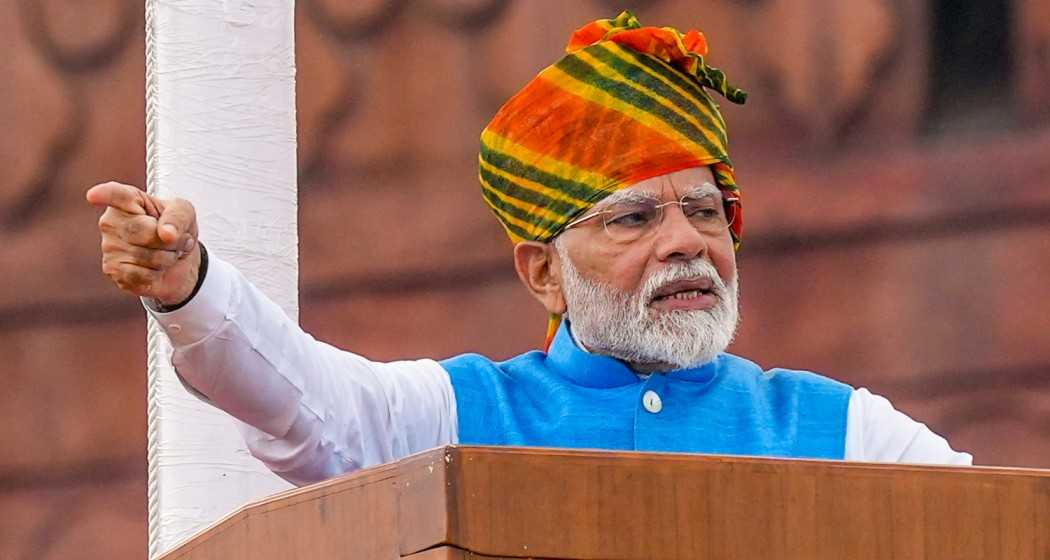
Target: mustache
{"type": "Point", "coordinates": [696, 269]}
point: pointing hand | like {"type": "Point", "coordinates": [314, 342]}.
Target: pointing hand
{"type": "Point", "coordinates": [149, 245]}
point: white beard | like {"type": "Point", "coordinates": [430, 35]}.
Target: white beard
{"type": "Point", "coordinates": [622, 325]}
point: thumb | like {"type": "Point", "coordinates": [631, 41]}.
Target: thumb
{"type": "Point", "coordinates": [177, 223]}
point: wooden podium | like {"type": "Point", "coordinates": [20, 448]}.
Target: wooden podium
{"type": "Point", "coordinates": [484, 502]}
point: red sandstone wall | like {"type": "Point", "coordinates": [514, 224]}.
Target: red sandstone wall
{"type": "Point", "coordinates": [888, 252]}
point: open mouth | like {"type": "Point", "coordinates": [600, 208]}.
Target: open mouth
{"type": "Point", "coordinates": [684, 290]}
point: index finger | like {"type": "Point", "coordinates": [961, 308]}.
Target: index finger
{"type": "Point", "coordinates": [120, 196]}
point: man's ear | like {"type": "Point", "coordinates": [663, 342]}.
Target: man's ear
{"type": "Point", "coordinates": [538, 267]}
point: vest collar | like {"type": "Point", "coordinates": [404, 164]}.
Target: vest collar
{"type": "Point", "coordinates": [594, 370]}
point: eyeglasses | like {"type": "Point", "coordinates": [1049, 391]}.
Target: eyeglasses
{"type": "Point", "coordinates": [631, 220]}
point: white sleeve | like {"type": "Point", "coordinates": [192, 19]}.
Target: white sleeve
{"type": "Point", "coordinates": [310, 411]}
{"type": "Point", "coordinates": [877, 432]}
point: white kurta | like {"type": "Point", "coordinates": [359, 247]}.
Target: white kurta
{"type": "Point", "coordinates": [312, 411]}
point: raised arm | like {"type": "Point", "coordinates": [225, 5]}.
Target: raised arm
{"type": "Point", "coordinates": [310, 411]}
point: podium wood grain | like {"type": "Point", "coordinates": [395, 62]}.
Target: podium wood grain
{"type": "Point", "coordinates": [476, 502]}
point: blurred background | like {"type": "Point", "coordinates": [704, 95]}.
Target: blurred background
{"type": "Point", "coordinates": [894, 156]}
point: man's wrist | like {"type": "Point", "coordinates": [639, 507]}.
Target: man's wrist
{"type": "Point", "coordinates": [202, 270]}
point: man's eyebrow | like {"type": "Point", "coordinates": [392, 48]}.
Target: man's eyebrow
{"type": "Point", "coordinates": [627, 196]}
{"type": "Point", "coordinates": [703, 189]}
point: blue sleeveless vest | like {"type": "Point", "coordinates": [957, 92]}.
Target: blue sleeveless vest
{"type": "Point", "coordinates": [571, 398]}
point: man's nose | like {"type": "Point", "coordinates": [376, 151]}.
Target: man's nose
{"type": "Point", "coordinates": [676, 238]}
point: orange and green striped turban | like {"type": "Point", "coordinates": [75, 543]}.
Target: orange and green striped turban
{"type": "Point", "coordinates": [626, 103]}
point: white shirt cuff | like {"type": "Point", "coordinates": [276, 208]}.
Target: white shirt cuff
{"type": "Point", "coordinates": [203, 314]}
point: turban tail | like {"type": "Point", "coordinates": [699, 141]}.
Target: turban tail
{"type": "Point", "coordinates": [625, 103]}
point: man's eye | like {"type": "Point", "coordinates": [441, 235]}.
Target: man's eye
{"type": "Point", "coordinates": [702, 212]}
{"type": "Point", "coordinates": [629, 219]}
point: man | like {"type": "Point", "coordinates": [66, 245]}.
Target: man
{"type": "Point", "coordinates": [610, 173]}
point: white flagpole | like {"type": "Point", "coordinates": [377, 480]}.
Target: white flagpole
{"type": "Point", "coordinates": [220, 127]}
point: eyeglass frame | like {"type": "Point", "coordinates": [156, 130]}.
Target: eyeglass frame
{"type": "Point", "coordinates": [727, 201]}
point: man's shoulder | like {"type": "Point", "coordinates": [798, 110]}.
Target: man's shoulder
{"type": "Point", "coordinates": [745, 369]}
{"type": "Point", "coordinates": [478, 362]}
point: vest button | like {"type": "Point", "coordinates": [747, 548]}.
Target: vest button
{"type": "Point", "coordinates": [651, 401]}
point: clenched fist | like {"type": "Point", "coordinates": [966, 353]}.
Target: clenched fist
{"type": "Point", "coordinates": [149, 245]}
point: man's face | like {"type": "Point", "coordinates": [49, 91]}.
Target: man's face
{"type": "Point", "coordinates": [666, 299]}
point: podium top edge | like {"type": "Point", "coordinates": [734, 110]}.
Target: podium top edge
{"type": "Point", "coordinates": [462, 451]}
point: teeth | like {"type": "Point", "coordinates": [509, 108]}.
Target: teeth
{"type": "Point", "coordinates": [687, 294]}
